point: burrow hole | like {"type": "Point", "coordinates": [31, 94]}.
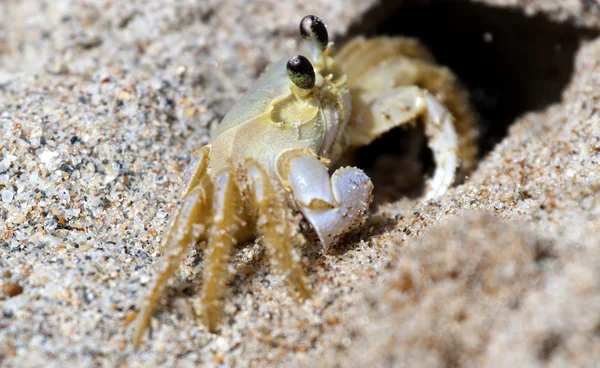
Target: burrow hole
{"type": "Point", "coordinates": [510, 62]}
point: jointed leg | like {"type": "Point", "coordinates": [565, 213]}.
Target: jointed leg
{"type": "Point", "coordinates": [228, 220]}
{"type": "Point", "coordinates": [276, 225]}
{"type": "Point", "coordinates": [188, 225]}
{"type": "Point", "coordinates": [187, 228]}
{"type": "Point", "coordinates": [401, 106]}
{"type": "Point", "coordinates": [194, 175]}
{"type": "Point", "coordinates": [360, 55]}
{"type": "Point", "coordinates": [381, 64]}
{"type": "Point", "coordinates": [443, 141]}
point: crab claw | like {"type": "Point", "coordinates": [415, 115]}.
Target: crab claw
{"type": "Point", "coordinates": [332, 206]}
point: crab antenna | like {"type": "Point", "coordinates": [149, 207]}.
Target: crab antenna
{"type": "Point", "coordinates": [314, 31]}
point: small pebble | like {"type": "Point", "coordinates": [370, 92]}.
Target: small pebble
{"type": "Point", "coordinates": [48, 157]}
{"type": "Point", "coordinates": [219, 358]}
{"type": "Point", "coordinates": [66, 168]}
{"type": "Point", "coordinates": [11, 289]}
{"type": "Point", "coordinates": [129, 317]}
{"type": "Point", "coordinates": [7, 196]}
{"type": "Point", "coordinates": [33, 178]}
{"type": "Point", "coordinates": [333, 320]}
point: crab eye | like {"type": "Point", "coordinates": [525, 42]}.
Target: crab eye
{"type": "Point", "coordinates": [312, 27]}
{"type": "Point", "coordinates": [301, 72]}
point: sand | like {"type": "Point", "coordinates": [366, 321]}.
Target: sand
{"type": "Point", "coordinates": [101, 105]}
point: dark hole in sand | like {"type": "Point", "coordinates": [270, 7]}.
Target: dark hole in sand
{"type": "Point", "coordinates": [511, 63]}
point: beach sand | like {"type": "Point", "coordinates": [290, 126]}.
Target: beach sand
{"type": "Point", "coordinates": [101, 105]}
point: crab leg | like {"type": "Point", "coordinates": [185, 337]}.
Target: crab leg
{"type": "Point", "coordinates": [276, 225]}
{"type": "Point", "coordinates": [333, 205]}
{"type": "Point", "coordinates": [194, 211]}
{"type": "Point", "coordinates": [228, 220]}
{"type": "Point", "coordinates": [443, 141]}
{"type": "Point", "coordinates": [401, 106]}
{"type": "Point", "coordinates": [194, 174]}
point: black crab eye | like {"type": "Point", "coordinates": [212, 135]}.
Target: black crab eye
{"type": "Point", "coordinates": [301, 72]}
{"type": "Point", "coordinates": [312, 27]}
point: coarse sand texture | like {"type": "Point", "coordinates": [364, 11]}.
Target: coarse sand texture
{"type": "Point", "coordinates": [102, 103]}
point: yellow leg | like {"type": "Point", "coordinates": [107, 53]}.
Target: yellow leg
{"type": "Point", "coordinates": [275, 223]}
{"type": "Point", "coordinates": [360, 55]}
{"type": "Point", "coordinates": [400, 106]}
{"type": "Point", "coordinates": [194, 176]}
{"type": "Point", "coordinates": [189, 225]}
{"type": "Point", "coordinates": [378, 65]}
{"type": "Point", "coordinates": [228, 220]}
{"type": "Point", "coordinates": [196, 170]}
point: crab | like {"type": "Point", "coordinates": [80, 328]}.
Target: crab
{"type": "Point", "coordinates": [270, 155]}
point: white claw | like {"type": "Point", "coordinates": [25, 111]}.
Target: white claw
{"type": "Point", "coordinates": [333, 207]}
{"type": "Point", "coordinates": [309, 180]}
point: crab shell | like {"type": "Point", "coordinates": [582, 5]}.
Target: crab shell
{"type": "Point", "coordinates": [271, 122]}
